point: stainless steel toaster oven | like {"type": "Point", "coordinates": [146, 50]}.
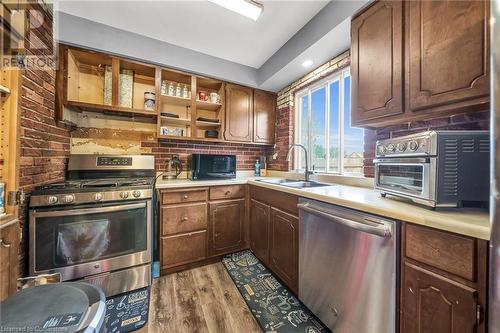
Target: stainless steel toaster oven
{"type": "Point", "coordinates": [435, 168]}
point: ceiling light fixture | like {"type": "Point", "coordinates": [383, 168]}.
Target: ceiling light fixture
{"type": "Point", "coordinates": [248, 8]}
{"type": "Point", "coordinates": [307, 63]}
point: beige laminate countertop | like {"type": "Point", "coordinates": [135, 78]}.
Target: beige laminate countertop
{"type": "Point", "coordinates": [468, 222]}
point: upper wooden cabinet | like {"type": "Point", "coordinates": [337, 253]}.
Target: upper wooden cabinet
{"type": "Point", "coordinates": [448, 54]}
{"type": "Point", "coordinates": [429, 63]}
{"type": "Point", "coordinates": [239, 113]}
{"type": "Point", "coordinates": [264, 117]}
{"type": "Point", "coordinates": [377, 62]}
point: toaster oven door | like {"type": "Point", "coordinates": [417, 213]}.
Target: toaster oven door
{"type": "Point", "coordinates": [407, 177]}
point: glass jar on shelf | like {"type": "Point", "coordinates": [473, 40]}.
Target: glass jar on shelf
{"type": "Point", "coordinates": [185, 91]}
{"type": "Point", "coordinates": [178, 90]}
{"type": "Point", "coordinates": [164, 87]}
{"type": "Point", "coordinates": [171, 89]}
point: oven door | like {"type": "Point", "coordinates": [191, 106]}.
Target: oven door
{"type": "Point", "coordinates": [408, 177]}
{"type": "Point", "coordinates": [79, 241]}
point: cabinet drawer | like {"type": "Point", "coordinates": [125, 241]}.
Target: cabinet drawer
{"type": "Point", "coordinates": [452, 253]}
{"type": "Point", "coordinates": [227, 192]}
{"type": "Point", "coordinates": [183, 218]}
{"type": "Point", "coordinates": [183, 249]}
{"type": "Point", "coordinates": [183, 195]}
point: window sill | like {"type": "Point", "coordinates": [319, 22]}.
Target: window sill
{"type": "Point", "coordinates": [358, 181]}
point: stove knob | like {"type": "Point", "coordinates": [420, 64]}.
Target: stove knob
{"type": "Point", "coordinates": [413, 145]}
{"type": "Point", "coordinates": [69, 198]}
{"type": "Point", "coordinates": [382, 150]}
{"type": "Point", "coordinates": [391, 148]}
{"type": "Point", "coordinates": [402, 146]}
{"type": "Point", "coordinates": [124, 195]}
{"type": "Point", "coordinates": [98, 196]}
{"type": "Point", "coordinates": [136, 194]}
{"type": "Point", "coordinates": [52, 200]}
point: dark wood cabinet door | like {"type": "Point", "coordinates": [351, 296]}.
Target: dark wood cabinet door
{"type": "Point", "coordinates": [259, 230]}
{"type": "Point", "coordinates": [9, 262]}
{"type": "Point", "coordinates": [448, 54]}
{"type": "Point", "coordinates": [264, 117]}
{"type": "Point", "coordinates": [226, 227]}
{"type": "Point", "coordinates": [283, 251]}
{"type": "Point", "coordinates": [377, 62]}
{"type": "Point", "coordinates": [239, 113]}
{"type": "Point", "coordinates": [435, 304]}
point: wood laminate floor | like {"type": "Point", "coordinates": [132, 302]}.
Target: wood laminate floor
{"type": "Point", "coordinates": [202, 299]}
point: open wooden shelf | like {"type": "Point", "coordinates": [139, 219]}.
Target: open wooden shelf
{"type": "Point", "coordinates": [80, 106]}
{"type": "Point", "coordinates": [207, 124]}
{"type": "Point", "coordinates": [174, 100]}
{"type": "Point", "coordinates": [208, 105]}
{"type": "Point", "coordinates": [175, 121]}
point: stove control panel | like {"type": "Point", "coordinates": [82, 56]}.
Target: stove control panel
{"type": "Point", "coordinates": [114, 161]}
{"type": "Point", "coordinates": [89, 197]}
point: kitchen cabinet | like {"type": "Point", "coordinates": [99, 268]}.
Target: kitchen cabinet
{"type": "Point", "coordinates": [9, 258]}
{"type": "Point", "coordinates": [377, 62]}
{"type": "Point", "coordinates": [274, 233]}
{"type": "Point", "coordinates": [226, 229]}
{"type": "Point", "coordinates": [430, 62]}
{"type": "Point", "coordinates": [199, 224]}
{"type": "Point", "coordinates": [260, 214]}
{"type": "Point", "coordinates": [284, 248]}
{"type": "Point", "coordinates": [448, 55]}
{"type": "Point", "coordinates": [443, 282]}
{"type": "Point", "coordinates": [239, 113]}
{"type": "Point", "coordinates": [264, 116]}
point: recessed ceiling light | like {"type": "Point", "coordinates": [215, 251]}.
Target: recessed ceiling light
{"type": "Point", "coordinates": [307, 63]}
{"type": "Point", "coordinates": [248, 8]}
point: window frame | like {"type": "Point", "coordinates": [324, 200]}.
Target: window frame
{"type": "Point", "coordinates": [338, 76]}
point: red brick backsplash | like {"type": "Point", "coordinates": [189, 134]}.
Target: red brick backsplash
{"type": "Point", "coordinates": [245, 154]}
{"type": "Point", "coordinates": [284, 137]}
{"type": "Point", "coordinates": [45, 144]}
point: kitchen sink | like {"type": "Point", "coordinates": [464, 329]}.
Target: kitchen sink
{"type": "Point", "coordinates": [293, 183]}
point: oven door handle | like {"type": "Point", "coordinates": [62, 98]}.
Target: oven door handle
{"type": "Point", "coordinates": [73, 212]}
{"type": "Point", "coordinates": [392, 161]}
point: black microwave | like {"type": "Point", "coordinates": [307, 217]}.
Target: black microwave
{"type": "Point", "coordinates": [208, 166]}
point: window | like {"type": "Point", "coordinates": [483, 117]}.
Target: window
{"type": "Point", "coordinates": [323, 126]}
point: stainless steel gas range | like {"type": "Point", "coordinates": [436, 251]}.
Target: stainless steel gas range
{"type": "Point", "coordinates": [96, 226]}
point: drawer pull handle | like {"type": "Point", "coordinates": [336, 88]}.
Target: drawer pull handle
{"type": "Point", "coordinates": [185, 196]}
{"type": "Point", "coordinates": [184, 219]}
{"type": "Point", "coordinates": [228, 192]}
{"type": "Point", "coordinates": [5, 245]}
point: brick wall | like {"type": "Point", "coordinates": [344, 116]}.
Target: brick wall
{"type": "Point", "coordinates": [285, 109]}
{"type": "Point", "coordinates": [44, 143]}
{"type": "Point", "coordinates": [163, 150]}
{"type": "Point", "coordinates": [460, 121]}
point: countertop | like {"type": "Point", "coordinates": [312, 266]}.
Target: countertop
{"type": "Point", "coordinates": [468, 222]}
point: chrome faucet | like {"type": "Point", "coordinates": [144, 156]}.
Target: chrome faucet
{"type": "Point", "coordinates": [307, 172]}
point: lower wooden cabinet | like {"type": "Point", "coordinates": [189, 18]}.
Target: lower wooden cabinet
{"type": "Point", "coordinates": [284, 247]}
{"type": "Point", "coordinates": [274, 233]}
{"type": "Point", "coordinates": [9, 260]}
{"type": "Point", "coordinates": [226, 227]}
{"type": "Point", "coordinates": [443, 282]}
{"type": "Point", "coordinates": [260, 214]}
{"type": "Point", "coordinates": [184, 248]}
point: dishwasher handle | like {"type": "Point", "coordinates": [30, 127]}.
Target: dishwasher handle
{"type": "Point", "coordinates": [372, 227]}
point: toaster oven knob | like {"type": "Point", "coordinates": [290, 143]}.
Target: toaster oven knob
{"type": "Point", "coordinates": [124, 195]}
{"type": "Point", "coordinates": [52, 200]}
{"type": "Point", "coordinates": [136, 194]}
{"type": "Point", "coordinates": [402, 146]}
{"type": "Point", "coordinates": [98, 196]}
{"type": "Point", "coordinates": [69, 198]}
{"type": "Point", "coordinates": [413, 145]}
{"type": "Point", "coordinates": [391, 148]}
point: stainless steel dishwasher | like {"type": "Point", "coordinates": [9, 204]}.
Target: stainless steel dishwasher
{"type": "Point", "coordinates": [347, 268]}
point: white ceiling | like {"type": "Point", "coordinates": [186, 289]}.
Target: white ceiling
{"type": "Point", "coordinates": [203, 26]}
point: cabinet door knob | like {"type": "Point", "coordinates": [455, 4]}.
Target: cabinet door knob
{"type": "Point", "coordinates": [184, 219]}
{"type": "Point", "coordinates": [228, 192]}
{"type": "Point", "coordinates": [4, 244]}
{"type": "Point", "coordinates": [185, 196]}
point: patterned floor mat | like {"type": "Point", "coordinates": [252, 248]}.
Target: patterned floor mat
{"type": "Point", "coordinates": [271, 303]}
